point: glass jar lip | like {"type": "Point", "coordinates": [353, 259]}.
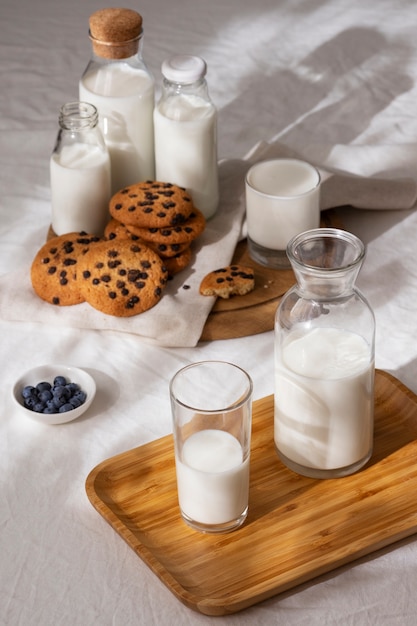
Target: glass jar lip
{"type": "Point", "coordinates": [326, 233]}
{"type": "Point", "coordinates": [73, 115]}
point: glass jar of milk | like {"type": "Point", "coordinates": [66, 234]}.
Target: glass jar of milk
{"type": "Point", "coordinates": [324, 359]}
{"type": "Point", "coordinates": [118, 82]}
{"type": "Point", "coordinates": [185, 121]}
{"type": "Point", "coordinates": [79, 172]}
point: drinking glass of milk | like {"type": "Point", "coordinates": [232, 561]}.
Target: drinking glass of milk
{"type": "Point", "coordinates": [282, 200]}
{"type": "Point", "coordinates": [324, 359]}
{"type": "Point", "coordinates": [212, 419]}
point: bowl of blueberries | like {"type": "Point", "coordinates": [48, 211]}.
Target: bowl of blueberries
{"type": "Point", "coordinates": [54, 394]}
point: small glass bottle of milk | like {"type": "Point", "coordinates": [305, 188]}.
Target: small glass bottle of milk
{"type": "Point", "coordinates": [185, 121]}
{"type": "Point", "coordinates": [79, 172]}
{"type": "Point", "coordinates": [324, 359]}
{"type": "Point", "coordinates": [118, 82]}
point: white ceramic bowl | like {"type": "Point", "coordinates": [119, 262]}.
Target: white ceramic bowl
{"type": "Point", "coordinates": [47, 373]}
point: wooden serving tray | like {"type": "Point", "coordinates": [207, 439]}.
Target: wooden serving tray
{"type": "Point", "coordinates": [297, 528]}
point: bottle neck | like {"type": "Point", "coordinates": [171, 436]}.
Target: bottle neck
{"type": "Point", "coordinates": [196, 88]}
{"type": "Point", "coordinates": [117, 50]}
{"type": "Point", "coordinates": [78, 116]}
{"type": "Point", "coordinates": [326, 262]}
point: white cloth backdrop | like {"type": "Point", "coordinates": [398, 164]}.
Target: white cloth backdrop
{"type": "Point", "coordinates": [334, 81]}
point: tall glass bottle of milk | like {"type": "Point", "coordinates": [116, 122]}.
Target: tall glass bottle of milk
{"type": "Point", "coordinates": [324, 359]}
{"type": "Point", "coordinates": [80, 172]}
{"type": "Point", "coordinates": [185, 122]}
{"type": "Point", "coordinates": [118, 82]}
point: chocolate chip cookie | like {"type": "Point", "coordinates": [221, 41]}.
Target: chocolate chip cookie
{"type": "Point", "coordinates": [151, 204]}
{"type": "Point", "coordinates": [122, 278]}
{"type": "Point", "coordinates": [181, 233]}
{"type": "Point", "coordinates": [55, 268]}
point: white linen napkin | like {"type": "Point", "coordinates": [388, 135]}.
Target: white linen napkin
{"type": "Point", "coordinates": [179, 318]}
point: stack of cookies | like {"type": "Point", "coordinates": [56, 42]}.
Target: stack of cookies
{"type": "Point", "coordinates": [147, 240]}
{"type": "Point", "coordinates": [119, 278]}
{"type": "Point", "coordinates": [159, 215]}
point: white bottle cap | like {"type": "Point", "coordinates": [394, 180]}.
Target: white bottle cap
{"type": "Point", "coordinates": [184, 68]}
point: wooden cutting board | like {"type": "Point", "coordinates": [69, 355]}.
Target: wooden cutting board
{"type": "Point", "coordinates": [297, 527]}
{"type": "Point", "coordinates": [254, 313]}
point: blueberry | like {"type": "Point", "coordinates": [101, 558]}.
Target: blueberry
{"type": "Point", "coordinates": [39, 407]}
{"type": "Point", "coordinates": [49, 409]}
{"type": "Point", "coordinates": [28, 391]}
{"type": "Point", "coordinates": [81, 395]}
{"type": "Point", "coordinates": [76, 402]}
{"type": "Point", "coordinates": [30, 402]}
{"type": "Point", "coordinates": [60, 381]}
{"type": "Point", "coordinates": [43, 386]}
{"type": "Point", "coordinates": [73, 387]}
{"type": "Point", "coordinates": [66, 407]}
{"type": "Point", "coordinates": [58, 402]}
{"type": "Point", "coordinates": [61, 394]}
{"type": "Point", "coordinates": [45, 395]}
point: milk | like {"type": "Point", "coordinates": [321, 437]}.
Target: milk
{"type": "Point", "coordinates": [282, 200]}
{"type": "Point", "coordinates": [124, 97]}
{"type": "Point", "coordinates": [80, 189]}
{"type": "Point", "coordinates": [324, 398]}
{"type": "Point", "coordinates": [212, 477]}
{"type": "Point", "coordinates": [186, 148]}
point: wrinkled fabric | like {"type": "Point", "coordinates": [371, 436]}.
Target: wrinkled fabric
{"type": "Point", "coordinates": [333, 82]}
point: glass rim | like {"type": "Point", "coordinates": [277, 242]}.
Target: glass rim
{"type": "Point", "coordinates": [294, 196]}
{"type": "Point", "coordinates": [326, 233]}
{"type": "Point", "coordinates": [237, 404]}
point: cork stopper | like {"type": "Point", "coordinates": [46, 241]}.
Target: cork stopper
{"type": "Point", "coordinates": [115, 33]}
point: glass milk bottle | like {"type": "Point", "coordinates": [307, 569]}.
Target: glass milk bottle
{"type": "Point", "coordinates": [185, 122]}
{"type": "Point", "coordinates": [79, 172]}
{"type": "Point", "coordinates": [119, 84]}
{"type": "Point", "coordinates": [324, 359]}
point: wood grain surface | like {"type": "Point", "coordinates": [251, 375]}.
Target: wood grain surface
{"type": "Point", "coordinates": [254, 312]}
{"type": "Point", "coordinates": [297, 527]}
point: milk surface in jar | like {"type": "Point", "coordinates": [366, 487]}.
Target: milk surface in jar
{"type": "Point", "coordinates": [324, 398]}
{"type": "Point", "coordinates": [212, 477]}
{"type": "Point", "coordinates": [185, 122]}
{"type": "Point", "coordinates": [119, 84]}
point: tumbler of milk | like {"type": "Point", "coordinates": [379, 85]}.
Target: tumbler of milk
{"type": "Point", "coordinates": [185, 121]}
{"type": "Point", "coordinates": [212, 419]}
{"type": "Point", "coordinates": [79, 172]}
{"type": "Point", "coordinates": [118, 82]}
{"type": "Point", "coordinates": [324, 359]}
